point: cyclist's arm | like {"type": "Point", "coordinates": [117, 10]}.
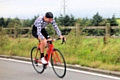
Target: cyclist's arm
{"type": "Point", "coordinates": [39, 32]}
{"type": "Point", "coordinates": [56, 28]}
{"type": "Point", "coordinates": [38, 24]}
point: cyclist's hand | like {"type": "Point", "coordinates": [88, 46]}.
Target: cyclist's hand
{"type": "Point", "coordinates": [49, 39]}
{"type": "Point", "coordinates": [63, 39]}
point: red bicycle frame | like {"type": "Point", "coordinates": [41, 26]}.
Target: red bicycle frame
{"type": "Point", "coordinates": [50, 51]}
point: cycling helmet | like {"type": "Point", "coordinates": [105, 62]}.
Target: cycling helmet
{"type": "Point", "coordinates": [49, 15]}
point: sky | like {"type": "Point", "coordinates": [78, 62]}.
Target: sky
{"type": "Point", "coordinates": [27, 9]}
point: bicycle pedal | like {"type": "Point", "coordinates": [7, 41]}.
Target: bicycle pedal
{"type": "Point", "coordinates": [37, 65]}
{"type": "Point", "coordinates": [36, 61]}
{"type": "Point", "coordinates": [45, 66]}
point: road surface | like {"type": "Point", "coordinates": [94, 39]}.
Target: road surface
{"type": "Point", "coordinates": [11, 69]}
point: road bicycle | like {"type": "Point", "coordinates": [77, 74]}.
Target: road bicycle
{"type": "Point", "coordinates": [53, 56]}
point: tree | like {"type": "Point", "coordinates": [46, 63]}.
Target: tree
{"type": "Point", "coordinates": [27, 23]}
{"type": "Point", "coordinates": [72, 20]}
{"type": "Point", "coordinates": [112, 21]}
{"type": "Point", "coordinates": [85, 22]}
{"type": "Point", "coordinates": [50, 29]}
{"type": "Point", "coordinates": [7, 22]}
{"type": "Point", "coordinates": [61, 20]}
{"type": "Point", "coordinates": [66, 20]}
{"type": "Point", "coordinates": [96, 19]}
{"type": "Point", "coordinates": [57, 21]}
{"type": "Point", "coordinates": [14, 23]}
{"type": "Point", "coordinates": [32, 21]}
{"type": "Point", "coordinates": [103, 23]}
{"type": "Point", "coordinates": [2, 22]}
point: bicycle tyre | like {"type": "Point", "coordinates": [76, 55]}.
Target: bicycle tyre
{"type": "Point", "coordinates": [58, 63]}
{"type": "Point", "coordinates": [39, 68]}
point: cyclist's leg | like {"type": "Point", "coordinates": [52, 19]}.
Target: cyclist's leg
{"type": "Point", "coordinates": [45, 34]}
{"type": "Point", "coordinates": [43, 44]}
{"type": "Point", "coordinates": [34, 32]}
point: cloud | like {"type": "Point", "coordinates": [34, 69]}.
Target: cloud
{"type": "Point", "coordinates": [79, 8]}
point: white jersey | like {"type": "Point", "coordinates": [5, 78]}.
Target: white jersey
{"type": "Point", "coordinates": [40, 24]}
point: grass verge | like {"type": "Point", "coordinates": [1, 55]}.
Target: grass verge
{"type": "Point", "coordinates": [89, 52]}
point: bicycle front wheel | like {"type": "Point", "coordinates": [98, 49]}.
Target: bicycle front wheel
{"type": "Point", "coordinates": [35, 59]}
{"type": "Point", "coordinates": [58, 63]}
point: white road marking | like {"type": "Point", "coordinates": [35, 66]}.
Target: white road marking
{"type": "Point", "coordinates": [8, 59]}
{"type": "Point", "coordinates": [74, 70]}
{"type": "Point", "coordinates": [95, 74]}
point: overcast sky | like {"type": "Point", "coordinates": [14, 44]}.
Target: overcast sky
{"type": "Point", "coordinates": [78, 8]}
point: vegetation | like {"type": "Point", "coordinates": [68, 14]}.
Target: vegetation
{"type": "Point", "coordinates": [90, 52]}
{"type": "Point", "coordinates": [98, 20]}
{"type": "Point", "coordinates": [118, 21]}
{"type": "Point", "coordinates": [67, 20]}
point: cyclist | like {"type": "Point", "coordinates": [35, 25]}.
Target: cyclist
{"type": "Point", "coordinates": [40, 32]}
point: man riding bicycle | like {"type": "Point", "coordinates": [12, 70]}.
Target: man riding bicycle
{"type": "Point", "coordinates": [41, 34]}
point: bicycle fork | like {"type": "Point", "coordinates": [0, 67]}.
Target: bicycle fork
{"type": "Point", "coordinates": [56, 57]}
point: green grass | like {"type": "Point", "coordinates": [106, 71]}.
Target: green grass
{"type": "Point", "coordinates": [18, 47]}
{"type": "Point", "coordinates": [118, 21]}
{"type": "Point", "coordinates": [90, 52]}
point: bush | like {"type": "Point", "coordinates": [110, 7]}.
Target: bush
{"type": "Point", "coordinates": [4, 41]}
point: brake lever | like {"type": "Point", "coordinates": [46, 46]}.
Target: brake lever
{"type": "Point", "coordinates": [63, 40]}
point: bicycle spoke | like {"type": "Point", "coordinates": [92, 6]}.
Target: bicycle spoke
{"type": "Point", "coordinates": [35, 58]}
{"type": "Point", "coordinates": [58, 63]}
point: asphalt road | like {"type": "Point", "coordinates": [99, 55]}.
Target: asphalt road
{"type": "Point", "coordinates": [20, 70]}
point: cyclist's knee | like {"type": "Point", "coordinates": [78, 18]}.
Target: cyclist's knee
{"type": "Point", "coordinates": [44, 42]}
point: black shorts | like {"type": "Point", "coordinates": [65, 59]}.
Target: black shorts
{"type": "Point", "coordinates": [43, 31]}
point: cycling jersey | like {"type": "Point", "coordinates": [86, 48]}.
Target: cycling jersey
{"type": "Point", "coordinates": [40, 24]}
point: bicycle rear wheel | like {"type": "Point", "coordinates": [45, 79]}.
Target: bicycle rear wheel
{"type": "Point", "coordinates": [58, 63]}
{"type": "Point", "coordinates": [35, 59]}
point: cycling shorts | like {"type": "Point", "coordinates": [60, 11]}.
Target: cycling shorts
{"type": "Point", "coordinates": [43, 31]}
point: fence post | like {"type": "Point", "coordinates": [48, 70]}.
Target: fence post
{"type": "Point", "coordinates": [15, 32]}
{"type": "Point", "coordinates": [0, 31]}
{"type": "Point", "coordinates": [108, 30]}
{"type": "Point", "coordinates": [77, 29]}
{"type": "Point", "coordinates": [108, 33]}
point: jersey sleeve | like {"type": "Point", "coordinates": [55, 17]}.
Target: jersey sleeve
{"type": "Point", "coordinates": [56, 27]}
{"type": "Point", "coordinates": [38, 24]}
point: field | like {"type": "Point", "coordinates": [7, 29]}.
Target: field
{"type": "Point", "coordinates": [90, 52]}
{"type": "Point", "coordinates": [118, 21]}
